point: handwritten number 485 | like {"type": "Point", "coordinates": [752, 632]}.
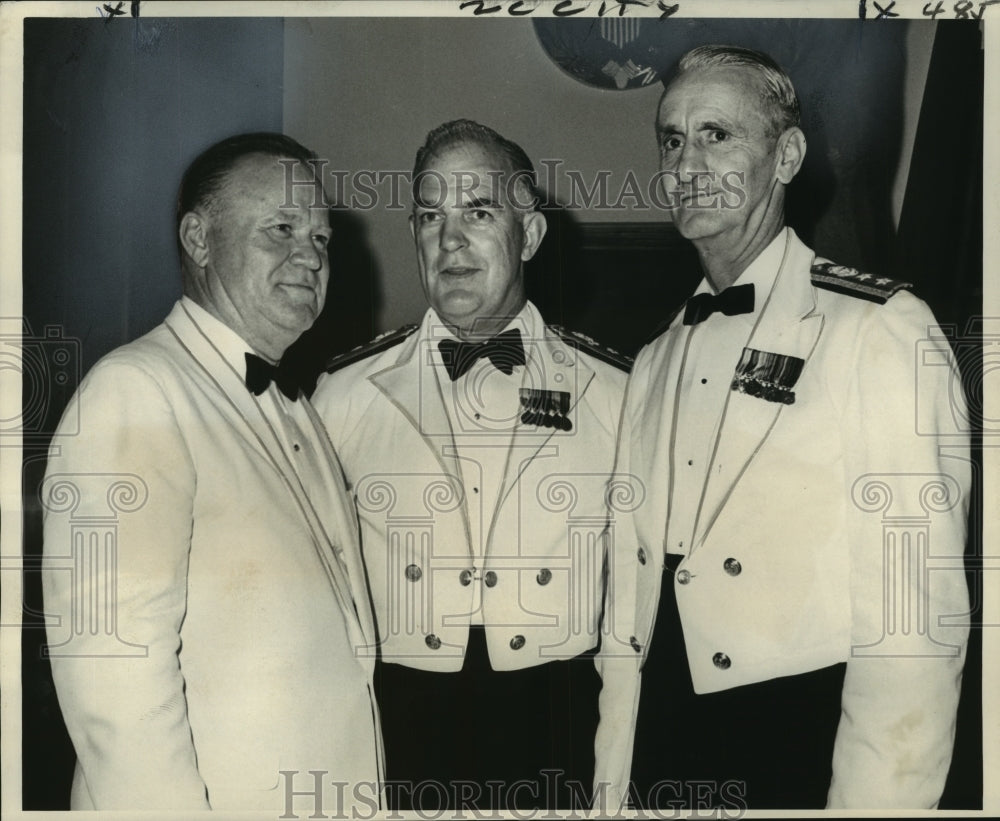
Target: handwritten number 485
{"type": "Point", "coordinates": [963, 9]}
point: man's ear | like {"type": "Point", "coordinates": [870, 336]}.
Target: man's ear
{"type": "Point", "coordinates": [413, 228]}
{"type": "Point", "coordinates": [534, 226]}
{"type": "Point", "coordinates": [791, 152]}
{"type": "Point", "coordinates": [193, 233]}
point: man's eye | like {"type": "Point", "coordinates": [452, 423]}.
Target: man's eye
{"type": "Point", "coordinates": [670, 143]}
{"type": "Point", "coordinates": [428, 217]}
{"type": "Point", "coordinates": [284, 229]}
{"type": "Point", "coordinates": [478, 215]}
{"type": "Point", "coordinates": [717, 136]}
{"type": "Point", "coordinates": [323, 240]}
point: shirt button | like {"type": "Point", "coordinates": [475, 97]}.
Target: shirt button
{"type": "Point", "coordinates": [732, 567]}
{"type": "Point", "coordinates": [683, 576]}
{"type": "Point", "coordinates": [476, 415]}
{"type": "Point", "coordinates": [433, 642]}
{"type": "Point", "coordinates": [465, 578]}
{"type": "Point", "coordinates": [295, 447]}
{"type": "Point", "coordinates": [721, 660]}
{"type": "Point", "coordinates": [641, 553]}
{"type": "Point", "coordinates": [517, 642]}
{"type": "Point", "coordinates": [704, 381]}
{"type": "Point", "coordinates": [544, 576]}
{"type": "Point", "coordinates": [475, 490]}
{"type": "Point", "coordinates": [632, 640]}
{"type": "Point", "coordinates": [413, 573]}
{"type": "Point", "coordinates": [490, 578]}
{"type": "Point", "coordinates": [690, 461]}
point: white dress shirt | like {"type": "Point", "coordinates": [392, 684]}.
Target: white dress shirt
{"type": "Point", "coordinates": [711, 350]}
{"type": "Point", "coordinates": [483, 407]}
{"type": "Point", "coordinates": [291, 422]}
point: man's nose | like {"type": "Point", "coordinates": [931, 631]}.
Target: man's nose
{"type": "Point", "coordinates": [453, 233]}
{"type": "Point", "coordinates": [690, 161]}
{"type": "Point", "coordinates": [307, 254]}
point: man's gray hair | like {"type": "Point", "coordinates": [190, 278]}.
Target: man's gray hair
{"type": "Point", "coordinates": [777, 92]}
{"type": "Point", "coordinates": [468, 132]}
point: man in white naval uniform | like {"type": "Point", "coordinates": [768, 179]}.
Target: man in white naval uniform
{"type": "Point", "coordinates": [478, 446]}
{"type": "Point", "coordinates": [208, 636]}
{"type": "Point", "coordinates": [785, 619]}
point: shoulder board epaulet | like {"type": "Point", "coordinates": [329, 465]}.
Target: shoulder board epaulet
{"type": "Point", "coordinates": [591, 346]}
{"type": "Point", "coordinates": [380, 343]}
{"type": "Point", "coordinates": [852, 282]}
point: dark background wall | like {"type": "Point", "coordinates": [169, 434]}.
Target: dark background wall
{"type": "Point", "coordinates": [114, 110]}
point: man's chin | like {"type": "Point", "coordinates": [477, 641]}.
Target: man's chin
{"type": "Point", "coordinates": [458, 309]}
{"type": "Point", "coordinates": [297, 319]}
{"type": "Point", "coordinates": [693, 224]}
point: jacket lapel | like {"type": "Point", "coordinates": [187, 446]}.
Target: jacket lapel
{"type": "Point", "coordinates": [652, 445]}
{"type": "Point", "coordinates": [412, 386]}
{"type": "Point", "coordinates": [240, 405]}
{"type": "Point", "coordinates": [788, 325]}
{"type": "Point", "coordinates": [244, 413]}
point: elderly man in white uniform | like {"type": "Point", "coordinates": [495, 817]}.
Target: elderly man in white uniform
{"type": "Point", "coordinates": [774, 637]}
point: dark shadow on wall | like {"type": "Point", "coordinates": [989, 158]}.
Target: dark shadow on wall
{"type": "Point", "coordinates": [614, 281]}
{"type": "Point", "coordinates": [940, 239]}
{"type": "Point", "coordinates": [353, 300]}
{"type": "Point", "coordinates": [556, 278]}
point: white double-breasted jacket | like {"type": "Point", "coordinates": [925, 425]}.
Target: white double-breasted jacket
{"type": "Point", "coordinates": [540, 572]}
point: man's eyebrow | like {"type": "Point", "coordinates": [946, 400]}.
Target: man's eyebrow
{"type": "Point", "coordinates": [481, 202]}
{"type": "Point", "coordinates": [715, 125]}
{"type": "Point", "coordinates": [731, 125]}
{"type": "Point", "coordinates": [703, 125]}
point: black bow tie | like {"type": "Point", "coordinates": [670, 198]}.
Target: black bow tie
{"type": "Point", "coordinates": [260, 374]}
{"type": "Point", "coordinates": [503, 350]}
{"type": "Point", "coordinates": [731, 301]}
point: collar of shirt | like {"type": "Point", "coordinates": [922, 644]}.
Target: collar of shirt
{"type": "Point", "coordinates": [289, 421]}
{"type": "Point", "coordinates": [229, 343]}
{"type": "Point", "coordinates": [760, 273]}
{"type": "Point", "coordinates": [484, 400]}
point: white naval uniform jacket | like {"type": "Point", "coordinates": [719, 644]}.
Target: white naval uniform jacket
{"type": "Point", "coordinates": [208, 610]}
{"type": "Point", "coordinates": [831, 529]}
{"type": "Point", "coordinates": [540, 575]}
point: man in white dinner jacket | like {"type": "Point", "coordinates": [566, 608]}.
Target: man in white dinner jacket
{"type": "Point", "coordinates": [478, 446]}
{"type": "Point", "coordinates": [785, 625]}
{"type": "Point", "coordinates": [209, 645]}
